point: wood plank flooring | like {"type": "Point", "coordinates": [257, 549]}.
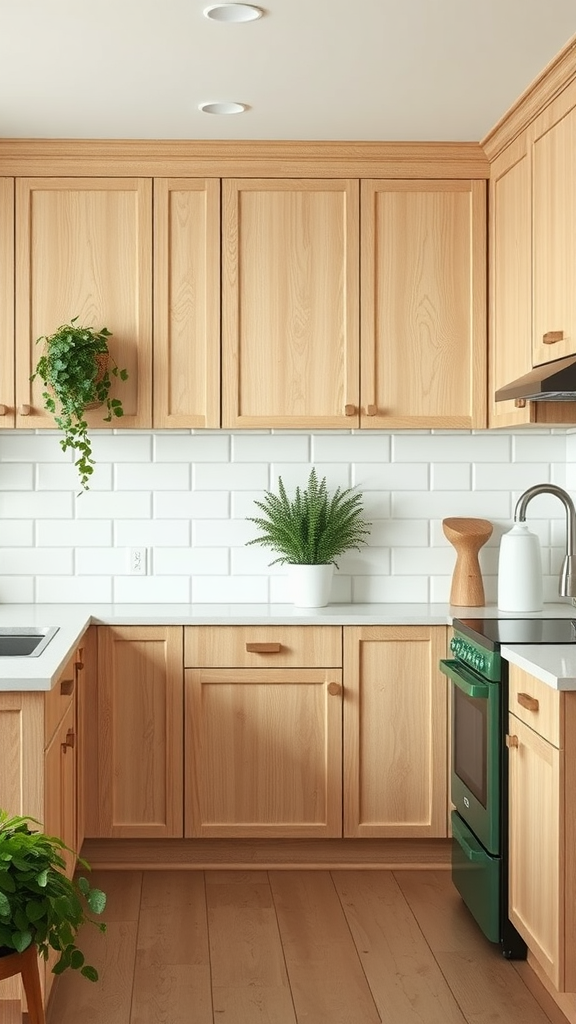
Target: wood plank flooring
{"type": "Point", "coordinates": [290, 947]}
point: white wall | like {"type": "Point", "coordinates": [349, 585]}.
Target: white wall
{"type": "Point", "coordinates": [185, 496]}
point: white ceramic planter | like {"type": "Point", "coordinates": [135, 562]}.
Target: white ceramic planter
{"type": "Point", "coordinates": [310, 584]}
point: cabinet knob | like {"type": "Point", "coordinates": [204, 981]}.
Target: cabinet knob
{"type": "Point", "coordinates": [24, 410]}
{"type": "Point", "coordinates": [334, 689]}
{"type": "Point", "coordinates": [528, 702]}
{"type": "Point", "coordinates": [263, 648]}
{"type": "Point", "coordinates": [551, 337]}
{"type": "Point", "coordinates": [66, 687]}
{"type": "Point", "coordinates": [70, 739]}
{"type": "Point", "coordinates": [372, 410]}
{"type": "Point", "coordinates": [3, 410]}
{"type": "Point", "coordinates": [350, 410]}
{"type": "Point", "coordinates": [520, 403]}
{"type": "Point", "coordinates": [512, 741]}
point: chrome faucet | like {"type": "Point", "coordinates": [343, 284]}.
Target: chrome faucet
{"type": "Point", "coordinates": [567, 583]}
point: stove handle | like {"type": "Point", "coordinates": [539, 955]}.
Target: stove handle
{"type": "Point", "coordinates": [470, 686]}
{"type": "Point", "coordinates": [473, 853]}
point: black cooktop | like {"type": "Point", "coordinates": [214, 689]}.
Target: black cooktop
{"type": "Point", "coordinates": [493, 632]}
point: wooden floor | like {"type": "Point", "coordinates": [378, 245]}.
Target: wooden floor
{"type": "Point", "coordinates": [290, 947]}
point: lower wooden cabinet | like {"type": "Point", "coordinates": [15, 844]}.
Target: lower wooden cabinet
{"type": "Point", "coordinates": [263, 741]}
{"type": "Point", "coordinates": [40, 775]}
{"type": "Point", "coordinates": [542, 826]}
{"type": "Point", "coordinates": [134, 765]}
{"type": "Point", "coordinates": [395, 732]}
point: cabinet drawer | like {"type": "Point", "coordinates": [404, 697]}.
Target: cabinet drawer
{"type": "Point", "coordinates": [59, 697]}
{"type": "Point", "coordinates": [536, 704]}
{"type": "Point", "coordinates": [262, 646]}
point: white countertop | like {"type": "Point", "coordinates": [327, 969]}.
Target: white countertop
{"type": "Point", "coordinates": [554, 664]}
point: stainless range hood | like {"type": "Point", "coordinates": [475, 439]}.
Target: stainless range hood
{"type": "Point", "coordinates": [553, 382]}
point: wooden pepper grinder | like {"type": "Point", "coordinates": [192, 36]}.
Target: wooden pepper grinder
{"type": "Point", "coordinates": [467, 536]}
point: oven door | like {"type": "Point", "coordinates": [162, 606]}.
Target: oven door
{"type": "Point", "coordinates": [475, 766]}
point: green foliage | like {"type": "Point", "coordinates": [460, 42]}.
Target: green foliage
{"type": "Point", "coordinates": [76, 377]}
{"type": "Point", "coordinates": [312, 528]}
{"type": "Point", "coordinates": [38, 903]}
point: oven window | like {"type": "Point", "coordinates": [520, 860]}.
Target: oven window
{"type": "Point", "coordinates": [469, 740]}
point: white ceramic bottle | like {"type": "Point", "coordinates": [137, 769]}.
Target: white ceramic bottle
{"type": "Point", "coordinates": [520, 571]}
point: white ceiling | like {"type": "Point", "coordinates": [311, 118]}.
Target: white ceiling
{"type": "Point", "coordinates": [324, 69]}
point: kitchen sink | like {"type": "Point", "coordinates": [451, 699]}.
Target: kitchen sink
{"type": "Point", "coordinates": [25, 641]}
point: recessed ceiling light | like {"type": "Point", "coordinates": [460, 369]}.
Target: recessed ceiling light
{"type": "Point", "coordinates": [233, 12]}
{"type": "Point", "coordinates": [223, 108]}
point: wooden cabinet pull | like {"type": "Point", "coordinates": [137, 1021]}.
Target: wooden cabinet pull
{"type": "Point", "coordinates": [334, 689]}
{"type": "Point", "coordinates": [512, 741]}
{"type": "Point", "coordinates": [24, 410]}
{"type": "Point", "coordinates": [3, 410]}
{"type": "Point", "coordinates": [528, 702]}
{"type": "Point", "coordinates": [66, 687]}
{"type": "Point", "coordinates": [350, 410]}
{"type": "Point", "coordinates": [69, 741]}
{"type": "Point", "coordinates": [520, 403]}
{"type": "Point", "coordinates": [263, 648]}
{"type": "Point", "coordinates": [372, 410]}
{"type": "Point", "coordinates": [551, 337]}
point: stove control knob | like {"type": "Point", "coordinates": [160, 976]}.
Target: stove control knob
{"type": "Point", "coordinates": [455, 645]}
{"type": "Point", "coordinates": [481, 666]}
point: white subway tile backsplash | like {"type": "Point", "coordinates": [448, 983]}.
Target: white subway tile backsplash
{"type": "Point", "coordinates": [73, 589]}
{"type": "Point", "coordinates": [230, 533]}
{"type": "Point", "coordinates": [36, 505]}
{"type": "Point", "coordinates": [412, 476]}
{"type": "Point", "coordinates": [152, 476]}
{"type": "Point", "coordinates": [242, 476]}
{"type": "Point", "coordinates": [114, 505]}
{"type": "Point", "coordinates": [489, 447]}
{"type": "Point", "coordinates": [529, 447]}
{"type": "Point", "coordinates": [186, 496]}
{"type": "Point", "coordinates": [191, 561]}
{"type": "Point", "coordinates": [15, 476]}
{"type": "Point", "coordinates": [36, 561]}
{"type": "Point", "coordinates": [450, 476]}
{"type": "Point", "coordinates": [356, 447]}
{"type": "Point", "coordinates": [51, 476]}
{"type": "Point", "coordinates": [270, 448]}
{"type": "Point", "coordinates": [229, 589]}
{"type": "Point", "coordinates": [152, 532]}
{"type": "Point", "coordinates": [514, 476]}
{"type": "Point", "coordinates": [157, 589]}
{"type": "Point", "coordinates": [191, 504]}
{"type": "Point", "coordinates": [17, 533]}
{"type": "Point", "coordinates": [96, 562]}
{"type": "Point", "coordinates": [121, 447]}
{"type": "Point", "coordinates": [73, 533]}
{"type": "Point", "coordinates": [191, 448]}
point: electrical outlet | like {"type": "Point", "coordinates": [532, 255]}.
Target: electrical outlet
{"type": "Point", "coordinates": [137, 562]}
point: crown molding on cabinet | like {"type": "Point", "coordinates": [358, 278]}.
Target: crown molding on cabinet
{"type": "Point", "coordinates": [550, 83]}
{"type": "Point", "coordinates": [185, 158]}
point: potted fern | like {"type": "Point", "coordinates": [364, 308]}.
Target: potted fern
{"type": "Point", "coordinates": [76, 369]}
{"type": "Point", "coordinates": [309, 532]}
{"type": "Point", "coordinates": [38, 903]}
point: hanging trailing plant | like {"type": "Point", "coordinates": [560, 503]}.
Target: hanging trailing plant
{"type": "Point", "coordinates": [76, 369]}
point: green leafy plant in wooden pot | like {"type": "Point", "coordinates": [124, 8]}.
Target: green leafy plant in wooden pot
{"type": "Point", "coordinates": [76, 369]}
{"type": "Point", "coordinates": [311, 529]}
{"type": "Point", "coordinates": [38, 903]}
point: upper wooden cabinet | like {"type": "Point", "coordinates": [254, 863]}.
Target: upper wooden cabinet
{"type": "Point", "coordinates": [290, 303]}
{"type": "Point", "coordinates": [186, 302]}
{"type": "Point", "coordinates": [6, 302]}
{"type": "Point", "coordinates": [510, 290]}
{"type": "Point", "coordinates": [423, 289]}
{"type": "Point", "coordinates": [84, 249]}
{"type": "Point", "coordinates": [554, 225]}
